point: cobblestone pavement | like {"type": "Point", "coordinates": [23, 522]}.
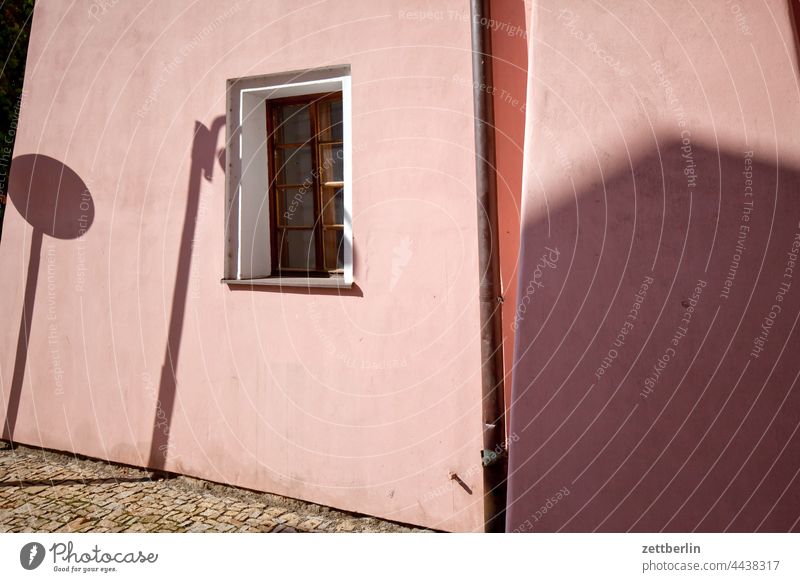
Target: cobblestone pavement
{"type": "Point", "coordinates": [42, 491]}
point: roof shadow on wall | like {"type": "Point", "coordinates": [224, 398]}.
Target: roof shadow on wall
{"type": "Point", "coordinates": [656, 367]}
{"type": "Point", "coordinates": [55, 202]}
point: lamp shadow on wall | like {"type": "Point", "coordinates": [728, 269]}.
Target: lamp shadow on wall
{"type": "Point", "coordinates": [204, 154]}
{"type": "Point", "coordinates": [660, 417]}
{"type": "Point", "coordinates": [55, 202]}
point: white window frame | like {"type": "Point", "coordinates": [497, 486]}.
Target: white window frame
{"type": "Point", "coordinates": [247, 221]}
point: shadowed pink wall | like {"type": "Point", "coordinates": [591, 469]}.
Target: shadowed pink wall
{"type": "Point", "coordinates": [135, 352]}
{"type": "Point", "coordinates": [656, 381]}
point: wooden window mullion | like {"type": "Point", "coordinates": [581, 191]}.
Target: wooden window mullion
{"type": "Point", "coordinates": [275, 240]}
{"type": "Point", "coordinates": [317, 175]}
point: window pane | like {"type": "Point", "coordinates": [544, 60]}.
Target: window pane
{"type": "Point", "coordinates": [333, 205]}
{"type": "Point", "coordinates": [330, 120]}
{"type": "Point", "coordinates": [295, 165]}
{"type": "Point", "coordinates": [293, 124]}
{"type": "Point", "coordinates": [332, 163]}
{"type": "Point", "coordinates": [334, 249]}
{"type": "Point", "coordinates": [296, 206]}
{"type": "Point", "coordinates": [297, 250]}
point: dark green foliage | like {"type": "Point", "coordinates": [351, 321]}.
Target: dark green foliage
{"type": "Point", "coordinates": [15, 26]}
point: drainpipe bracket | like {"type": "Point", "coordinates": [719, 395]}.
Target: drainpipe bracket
{"type": "Point", "coordinates": [491, 457]}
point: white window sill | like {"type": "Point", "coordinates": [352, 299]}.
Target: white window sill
{"type": "Point", "coordinates": [316, 282]}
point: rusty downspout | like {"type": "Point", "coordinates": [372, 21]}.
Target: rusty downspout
{"type": "Point", "coordinates": [495, 467]}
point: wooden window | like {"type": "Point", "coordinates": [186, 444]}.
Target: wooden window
{"type": "Point", "coordinates": [288, 190]}
{"type": "Point", "coordinates": [305, 136]}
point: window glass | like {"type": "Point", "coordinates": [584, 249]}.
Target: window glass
{"type": "Point", "coordinates": [330, 120]}
{"type": "Point", "coordinates": [334, 249]}
{"type": "Point", "coordinates": [332, 163]}
{"type": "Point", "coordinates": [295, 165]}
{"type": "Point", "coordinates": [293, 124]}
{"type": "Point", "coordinates": [297, 250]}
{"type": "Point", "coordinates": [333, 205]}
{"type": "Point", "coordinates": [296, 206]}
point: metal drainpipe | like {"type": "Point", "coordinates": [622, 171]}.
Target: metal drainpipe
{"type": "Point", "coordinates": [495, 467]}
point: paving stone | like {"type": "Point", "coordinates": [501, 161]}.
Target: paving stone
{"type": "Point", "coordinates": [348, 526]}
{"type": "Point", "coordinates": [75, 524]}
{"type": "Point", "coordinates": [290, 519]}
{"type": "Point", "coordinates": [256, 512]}
{"type": "Point", "coordinates": [149, 519]}
{"type": "Point", "coordinates": [310, 524]}
{"type": "Point", "coordinates": [275, 511]}
{"type": "Point", "coordinates": [35, 490]}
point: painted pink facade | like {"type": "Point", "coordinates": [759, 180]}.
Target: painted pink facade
{"type": "Point", "coordinates": [655, 386]}
{"type": "Point", "coordinates": [365, 399]}
{"type": "Point", "coordinates": [648, 165]}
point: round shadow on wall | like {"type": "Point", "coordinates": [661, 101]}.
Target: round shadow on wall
{"type": "Point", "coordinates": [55, 202]}
{"type": "Point", "coordinates": [50, 196]}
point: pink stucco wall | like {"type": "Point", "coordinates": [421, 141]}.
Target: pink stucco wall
{"type": "Point", "coordinates": [365, 400]}
{"type": "Point", "coordinates": [510, 71]}
{"type": "Point", "coordinates": [656, 380]}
